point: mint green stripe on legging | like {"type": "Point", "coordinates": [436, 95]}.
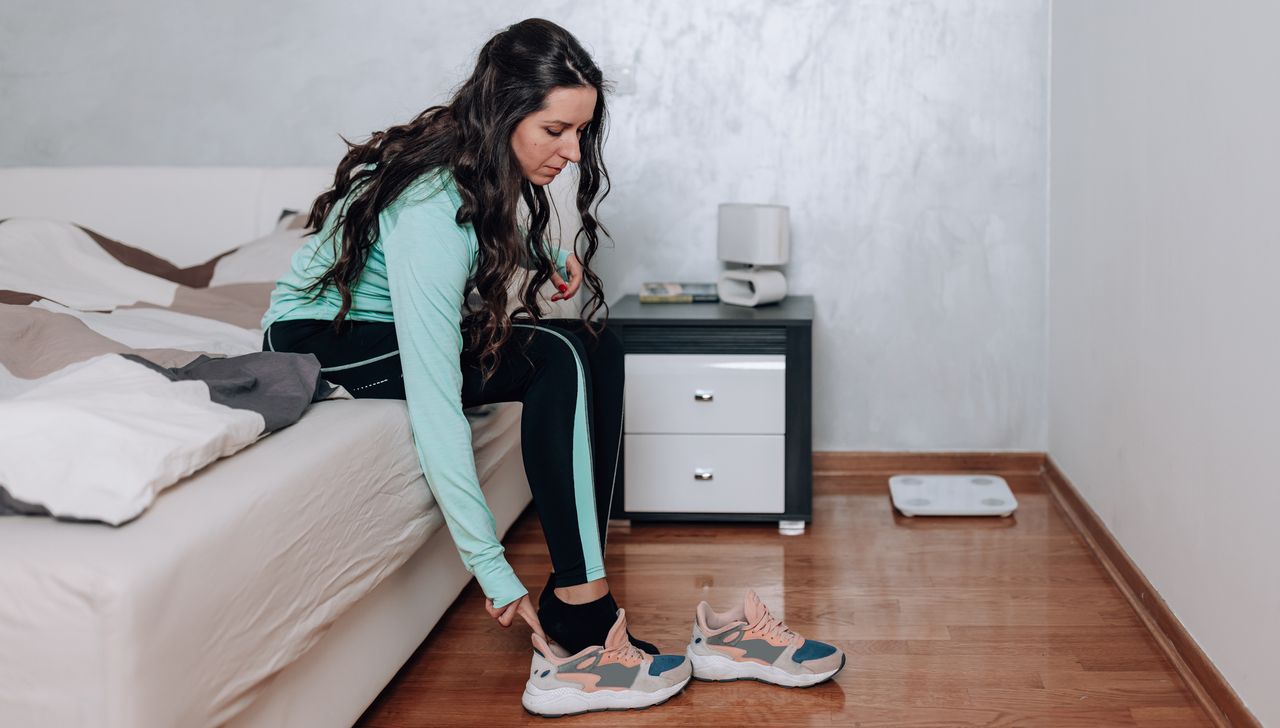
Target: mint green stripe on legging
{"type": "Point", "coordinates": [584, 493]}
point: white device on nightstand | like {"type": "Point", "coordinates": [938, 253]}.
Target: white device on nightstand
{"type": "Point", "coordinates": [755, 235]}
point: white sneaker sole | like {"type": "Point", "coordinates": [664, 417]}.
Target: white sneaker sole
{"type": "Point", "coordinates": [571, 701]}
{"type": "Point", "coordinates": [724, 669]}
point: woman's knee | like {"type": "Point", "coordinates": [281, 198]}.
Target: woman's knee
{"type": "Point", "coordinates": [609, 343]}
{"type": "Point", "coordinates": [604, 346]}
{"type": "Point", "coordinates": [555, 350]}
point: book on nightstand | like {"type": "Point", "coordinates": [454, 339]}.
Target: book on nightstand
{"type": "Point", "coordinates": [678, 293]}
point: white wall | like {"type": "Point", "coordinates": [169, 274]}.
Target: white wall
{"type": "Point", "coordinates": [908, 139]}
{"type": "Point", "coordinates": [1164, 346]}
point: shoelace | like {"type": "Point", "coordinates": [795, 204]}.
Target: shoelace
{"type": "Point", "coordinates": [629, 651]}
{"type": "Point", "coordinates": [772, 626]}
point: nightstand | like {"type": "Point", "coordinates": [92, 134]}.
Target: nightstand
{"type": "Point", "coordinates": [717, 412]}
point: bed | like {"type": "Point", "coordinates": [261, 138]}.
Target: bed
{"type": "Point", "coordinates": [281, 586]}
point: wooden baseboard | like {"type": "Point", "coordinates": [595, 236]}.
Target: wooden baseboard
{"type": "Point", "coordinates": [880, 463]}
{"type": "Point", "coordinates": [1215, 694]}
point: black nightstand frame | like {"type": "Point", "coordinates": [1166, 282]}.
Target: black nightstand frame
{"type": "Point", "coordinates": [785, 328]}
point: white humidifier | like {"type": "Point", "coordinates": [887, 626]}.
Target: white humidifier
{"type": "Point", "coordinates": [754, 236]}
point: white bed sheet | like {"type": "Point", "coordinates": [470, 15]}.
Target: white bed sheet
{"type": "Point", "coordinates": [179, 618]}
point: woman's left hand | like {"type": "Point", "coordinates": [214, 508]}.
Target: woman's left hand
{"type": "Point", "coordinates": [574, 267]}
{"type": "Point", "coordinates": [522, 607]}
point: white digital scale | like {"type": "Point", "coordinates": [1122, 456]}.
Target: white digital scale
{"type": "Point", "coordinates": [952, 495]}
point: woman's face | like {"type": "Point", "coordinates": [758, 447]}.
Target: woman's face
{"type": "Point", "coordinates": [546, 140]}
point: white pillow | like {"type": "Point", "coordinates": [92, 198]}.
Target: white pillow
{"type": "Point", "coordinates": [264, 260]}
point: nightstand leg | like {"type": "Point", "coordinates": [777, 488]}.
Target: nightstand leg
{"type": "Point", "coordinates": [791, 528]}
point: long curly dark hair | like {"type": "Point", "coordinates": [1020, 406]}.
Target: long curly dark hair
{"type": "Point", "coordinates": [471, 136]}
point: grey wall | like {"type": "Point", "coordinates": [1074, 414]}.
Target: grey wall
{"type": "Point", "coordinates": [1163, 345]}
{"type": "Point", "coordinates": [908, 138]}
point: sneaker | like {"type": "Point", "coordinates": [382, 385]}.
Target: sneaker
{"type": "Point", "coordinates": [615, 676]}
{"type": "Point", "coordinates": [749, 643]}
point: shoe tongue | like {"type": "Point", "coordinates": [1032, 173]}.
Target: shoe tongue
{"type": "Point", "coordinates": [617, 636]}
{"type": "Point", "coordinates": [752, 608]}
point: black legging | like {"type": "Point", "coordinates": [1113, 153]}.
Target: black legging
{"type": "Point", "coordinates": [364, 359]}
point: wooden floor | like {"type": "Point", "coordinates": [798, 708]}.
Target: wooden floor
{"type": "Point", "coordinates": [946, 622]}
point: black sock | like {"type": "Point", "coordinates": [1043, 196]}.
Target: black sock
{"type": "Point", "coordinates": [577, 626]}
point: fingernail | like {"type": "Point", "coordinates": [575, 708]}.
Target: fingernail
{"type": "Point", "coordinates": [563, 287]}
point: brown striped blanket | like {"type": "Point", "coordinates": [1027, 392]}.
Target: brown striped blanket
{"type": "Point", "coordinates": [121, 374]}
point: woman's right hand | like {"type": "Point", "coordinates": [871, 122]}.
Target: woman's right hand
{"type": "Point", "coordinates": [522, 607]}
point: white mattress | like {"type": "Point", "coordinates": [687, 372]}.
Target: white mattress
{"type": "Point", "coordinates": [179, 618]}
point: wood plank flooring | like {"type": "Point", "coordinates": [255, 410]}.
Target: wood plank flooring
{"type": "Point", "coordinates": [946, 622]}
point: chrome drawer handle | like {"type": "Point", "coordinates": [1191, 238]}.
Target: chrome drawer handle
{"type": "Point", "coordinates": [703, 395]}
{"type": "Point", "coordinates": [702, 474]}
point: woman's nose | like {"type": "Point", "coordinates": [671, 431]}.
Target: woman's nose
{"type": "Point", "coordinates": [571, 151]}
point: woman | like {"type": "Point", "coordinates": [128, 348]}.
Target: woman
{"type": "Point", "coordinates": [418, 215]}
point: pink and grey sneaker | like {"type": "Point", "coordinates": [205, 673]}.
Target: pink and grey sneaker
{"type": "Point", "coordinates": [615, 676]}
{"type": "Point", "coordinates": [749, 643]}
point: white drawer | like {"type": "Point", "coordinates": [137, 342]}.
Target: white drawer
{"type": "Point", "coordinates": [706, 393]}
{"type": "Point", "coordinates": [739, 473]}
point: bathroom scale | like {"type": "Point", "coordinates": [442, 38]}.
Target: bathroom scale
{"type": "Point", "coordinates": [952, 495]}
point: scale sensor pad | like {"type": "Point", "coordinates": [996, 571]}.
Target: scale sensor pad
{"type": "Point", "coordinates": [952, 495]}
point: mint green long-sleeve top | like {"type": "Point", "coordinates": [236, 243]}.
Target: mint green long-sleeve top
{"type": "Point", "coordinates": [417, 275]}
